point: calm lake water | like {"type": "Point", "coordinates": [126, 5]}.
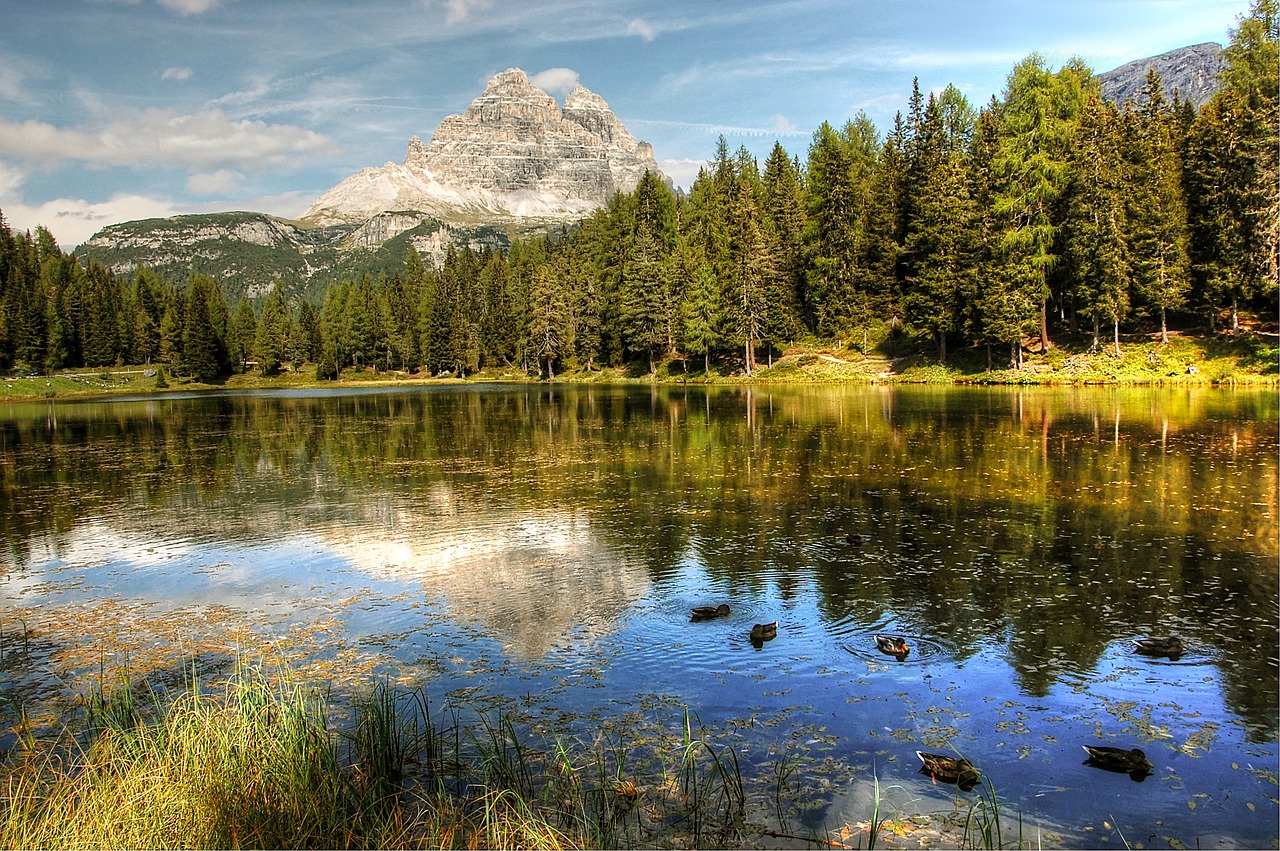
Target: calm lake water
{"type": "Point", "coordinates": [539, 549]}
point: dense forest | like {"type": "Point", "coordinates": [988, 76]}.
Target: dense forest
{"type": "Point", "coordinates": [1049, 210]}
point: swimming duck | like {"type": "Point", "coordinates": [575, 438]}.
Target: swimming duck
{"type": "Point", "coordinates": [1132, 762]}
{"type": "Point", "coordinates": [853, 539]}
{"type": "Point", "coordinates": [893, 645]}
{"type": "Point", "coordinates": [763, 632]}
{"type": "Point", "coordinates": [949, 769]}
{"type": "Point", "coordinates": [706, 613]}
{"type": "Point", "coordinates": [1171, 647]}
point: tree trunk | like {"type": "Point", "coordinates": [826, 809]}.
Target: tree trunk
{"type": "Point", "coordinates": [747, 356]}
{"type": "Point", "coordinates": [1235, 314]}
{"type": "Point", "coordinates": [1115, 324]}
{"type": "Point", "coordinates": [551, 371]}
{"type": "Point", "coordinates": [1164, 327]}
{"type": "Point", "coordinates": [706, 362]}
{"type": "Point", "coordinates": [1045, 345]}
{"type": "Point", "coordinates": [942, 348]}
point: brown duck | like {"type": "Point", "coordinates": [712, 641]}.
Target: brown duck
{"type": "Point", "coordinates": [1132, 761]}
{"type": "Point", "coordinates": [706, 613]}
{"type": "Point", "coordinates": [893, 645]}
{"type": "Point", "coordinates": [949, 769]}
{"type": "Point", "coordinates": [763, 632]}
{"type": "Point", "coordinates": [1170, 647]}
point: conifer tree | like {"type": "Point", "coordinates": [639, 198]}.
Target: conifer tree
{"type": "Point", "coordinates": [1157, 209]}
{"type": "Point", "coordinates": [940, 242]}
{"type": "Point", "coordinates": [1096, 225]}
{"type": "Point", "coordinates": [1233, 185]}
{"type": "Point", "coordinates": [199, 342]}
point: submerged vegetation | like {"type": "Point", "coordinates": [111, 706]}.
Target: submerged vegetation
{"type": "Point", "coordinates": [254, 762]}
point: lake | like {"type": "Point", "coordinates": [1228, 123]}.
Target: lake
{"type": "Point", "coordinates": [538, 549]}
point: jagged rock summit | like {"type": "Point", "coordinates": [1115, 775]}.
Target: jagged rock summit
{"type": "Point", "coordinates": [513, 154]}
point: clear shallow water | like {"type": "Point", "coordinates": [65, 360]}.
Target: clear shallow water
{"type": "Point", "coordinates": [541, 548]}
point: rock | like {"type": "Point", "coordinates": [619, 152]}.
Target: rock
{"type": "Point", "coordinates": [513, 154]}
{"type": "Point", "coordinates": [1193, 71]}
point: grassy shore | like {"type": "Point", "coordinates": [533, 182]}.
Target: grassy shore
{"type": "Point", "coordinates": [1246, 358]}
{"type": "Point", "coordinates": [253, 762]}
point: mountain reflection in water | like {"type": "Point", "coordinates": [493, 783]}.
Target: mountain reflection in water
{"type": "Point", "coordinates": [1020, 540]}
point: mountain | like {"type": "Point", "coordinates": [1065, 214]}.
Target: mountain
{"type": "Point", "coordinates": [1192, 71]}
{"type": "Point", "coordinates": [514, 154]}
{"type": "Point", "coordinates": [513, 164]}
{"type": "Point", "coordinates": [247, 252]}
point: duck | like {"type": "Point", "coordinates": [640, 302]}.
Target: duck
{"type": "Point", "coordinates": [1132, 761]}
{"type": "Point", "coordinates": [893, 645]}
{"type": "Point", "coordinates": [853, 539]}
{"type": "Point", "coordinates": [706, 613]}
{"type": "Point", "coordinates": [763, 632]}
{"type": "Point", "coordinates": [949, 769]}
{"type": "Point", "coordinates": [1170, 646]}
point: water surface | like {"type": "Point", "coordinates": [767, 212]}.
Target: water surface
{"type": "Point", "coordinates": [541, 548]}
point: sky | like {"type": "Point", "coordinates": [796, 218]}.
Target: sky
{"type": "Point", "coordinates": [115, 110]}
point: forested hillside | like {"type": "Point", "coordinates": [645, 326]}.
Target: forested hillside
{"type": "Point", "coordinates": [1046, 211]}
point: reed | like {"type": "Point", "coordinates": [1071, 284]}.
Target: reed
{"type": "Point", "coordinates": [254, 763]}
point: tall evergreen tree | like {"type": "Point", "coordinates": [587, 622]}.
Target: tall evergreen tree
{"type": "Point", "coordinates": [1157, 209]}
{"type": "Point", "coordinates": [1233, 183]}
{"type": "Point", "coordinates": [200, 343]}
{"type": "Point", "coordinates": [1096, 224]}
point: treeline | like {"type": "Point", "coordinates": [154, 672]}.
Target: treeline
{"type": "Point", "coordinates": [1048, 210]}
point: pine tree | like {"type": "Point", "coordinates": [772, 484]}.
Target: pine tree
{"type": "Point", "coordinates": [746, 296]}
{"type": "Point", "coordinates": [1233, 184]}
{"type": "Point", "coordinates": [1157, 209]}
{"type": "Point", "coordinates": [1096, 224]}
{"type": "Point", "coordinates": [940, 241]}
{"type": "Point", "coordinates": [1038, 122]}
{"type": "Point", "coordinates": [271, 338]}
{"type": "Point", "coordinates": [199, 342]}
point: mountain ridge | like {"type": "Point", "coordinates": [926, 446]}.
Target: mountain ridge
{"type": "Point", "coordinates": [514, 163]}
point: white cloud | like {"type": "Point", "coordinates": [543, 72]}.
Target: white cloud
{"type": "Point", "coordinates": [217, 183]}
{"type": "Point", "coordinates": [555, 80]}
{"type": "Point", "coordinates": [783, 126]}
{"type": "Point", "coordinates": [642, 28]}
{"type": "Point", "coordinates": [190, 7]}
{"type": "Point", "coordinates": [208, 140]}
{"type": "Point", "coordinates": [682, 172]}
{"type": "Point", "coordinates": [176, 74]}
{"type": "Point", "coordinates": [73, 220]}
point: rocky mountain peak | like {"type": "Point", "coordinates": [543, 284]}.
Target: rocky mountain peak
{"type": "Point", "coordinates": [1191, 71]}
{"type": "Point", "coordinates": [514, 153]}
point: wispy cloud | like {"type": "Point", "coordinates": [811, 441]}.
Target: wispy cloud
{"type": "Point", "coordinates": [176, 74]}
{"type": "Point", "coordinates": [642, 28]}
{"type": "Point", "coordinates": [219, 182]}
{"type": "Point", "coordinates": [457, 11]}
{"type": "Point", "coordinates": [203, 141]}
{"type": "Point", "coordinates": [190, 7]}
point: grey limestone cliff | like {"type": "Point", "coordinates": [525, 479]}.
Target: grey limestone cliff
{"type": "Point", "coordinates": [513, 153]}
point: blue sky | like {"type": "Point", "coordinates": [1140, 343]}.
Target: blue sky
{"type": "Point", "coordinates": [112, 110]}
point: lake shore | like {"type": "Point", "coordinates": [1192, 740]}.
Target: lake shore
{"type": "Point", "coordinates": [1245, 359]}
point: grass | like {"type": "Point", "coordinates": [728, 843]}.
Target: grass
{"type": "Point", "coordinates": [253, 763]}
{"type": "Point", "coordinates": [1246, 358]}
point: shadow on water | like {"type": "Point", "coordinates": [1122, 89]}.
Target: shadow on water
{"type": "Point", "coordinates": [1019, 541]}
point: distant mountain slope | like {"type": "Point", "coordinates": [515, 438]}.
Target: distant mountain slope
{"type": "Point", "coordinates": [247, 252]}
{"type": "Point", "coordinates": [514, 163]}
{"type": "Point", "coordinates": [1192, 71]}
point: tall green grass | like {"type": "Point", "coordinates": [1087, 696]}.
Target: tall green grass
{"type": "Point", "coordinates": [253, 763]}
